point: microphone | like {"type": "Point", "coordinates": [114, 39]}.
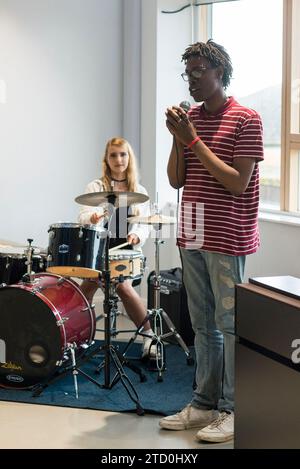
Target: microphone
{"type": "Point", "coordinates": [185, 105]}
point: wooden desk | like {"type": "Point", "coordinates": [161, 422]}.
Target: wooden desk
{"type": "Point", "coordinates": [267, 393]}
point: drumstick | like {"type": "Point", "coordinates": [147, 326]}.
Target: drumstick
{"type": "Point", "coordinates": [118, 247]}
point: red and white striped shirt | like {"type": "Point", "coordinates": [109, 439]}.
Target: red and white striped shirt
{"type": "Point", "coordinates": [212, 219]}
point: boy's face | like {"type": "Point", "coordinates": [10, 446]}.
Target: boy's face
{"type": "Point", "coordinates": [204, 79]}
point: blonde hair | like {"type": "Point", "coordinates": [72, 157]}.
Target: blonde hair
{"type": "Point", "coordinates": [131, 172]}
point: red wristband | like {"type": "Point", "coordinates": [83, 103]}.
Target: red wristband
{"type": "Point", "coordinates": [197, 139]}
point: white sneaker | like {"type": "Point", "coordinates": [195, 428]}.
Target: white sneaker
{"type": "Point", "coordinates": [189, 417]}
{"type": "Point", "coordinates": [149, 348]}
{"type": "Point", "coordinates": [218, 431]}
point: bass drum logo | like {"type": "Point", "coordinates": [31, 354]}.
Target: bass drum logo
{"type": "Point", "coordinates": [15, 378]}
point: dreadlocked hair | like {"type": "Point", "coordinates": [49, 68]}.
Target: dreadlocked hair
{"type": "Point", "coordinates": [215, 54]}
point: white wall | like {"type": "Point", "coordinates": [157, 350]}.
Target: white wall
{"type": "Point", "coordinates": [279, 253]}
{"type": "Point", "coordinates": [132, 74]}
{"type": "Point", "coordinates": [62, 63]}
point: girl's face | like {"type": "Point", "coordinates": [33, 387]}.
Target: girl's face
{"type": "Point", "coordinates": [117, 160]}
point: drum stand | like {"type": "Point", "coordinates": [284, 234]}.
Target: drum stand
{"type": "Point", "coordinates": [111, 353]}
{"type": "Point", "coordinates": [157, 314]}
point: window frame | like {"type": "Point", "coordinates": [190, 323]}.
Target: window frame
{"type": "Point", "coordinates": [290, 141]}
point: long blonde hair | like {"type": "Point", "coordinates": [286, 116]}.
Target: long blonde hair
{"type": "Point", "coordinates": [131, 172]}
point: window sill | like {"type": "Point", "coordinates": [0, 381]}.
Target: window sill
{"type": "Point", "coordinates": [283, 218]}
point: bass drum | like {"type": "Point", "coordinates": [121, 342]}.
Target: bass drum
{"type": "Point", "coordinates": [38, 321]}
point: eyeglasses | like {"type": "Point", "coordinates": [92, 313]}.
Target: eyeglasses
{"type": "Point", "coordinates": [195, 74]}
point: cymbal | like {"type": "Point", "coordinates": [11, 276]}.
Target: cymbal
{"type": "Point", "coordinates": [122, 199]}
{"type": "Point", "coordinates": [21, 249]}
{"type": "Point", "coordinates": [6, 242]}
{"type": "Point", "coordinates": [153, 220]}
{"type": "Point", "coordinates": [11, 247]}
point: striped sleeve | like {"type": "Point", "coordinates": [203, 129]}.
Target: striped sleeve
{"type": "Point", "coordinates": [249, 141]}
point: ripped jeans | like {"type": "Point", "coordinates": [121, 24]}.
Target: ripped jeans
{"type": "Point", "coordinates": [209, 280]}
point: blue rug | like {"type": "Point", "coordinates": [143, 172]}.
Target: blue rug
{"type": "Point", "coordinates": [165, 397]}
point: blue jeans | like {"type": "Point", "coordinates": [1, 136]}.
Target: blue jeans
{"type": "Point", "coordinates": [210, 280]}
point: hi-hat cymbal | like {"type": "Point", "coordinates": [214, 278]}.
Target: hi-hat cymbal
{"type": "Point", "coordinates": [153, 220]}
{"type": "Point", "coordinates": [118, 199]}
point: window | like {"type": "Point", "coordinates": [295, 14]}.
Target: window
{"type": "Point", "coordinates": [291, 93]}
{"type": "Point", "coordinates": [255, 46]}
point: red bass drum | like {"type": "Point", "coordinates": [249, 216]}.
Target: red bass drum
{"type": "Point", "coordinates": [38, 322]}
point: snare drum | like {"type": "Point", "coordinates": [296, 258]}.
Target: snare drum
{"type": "Point", "coordinates": [126, 262]}
{"type": "Point", "coordinates": [73, 249]}
{"type": "Point", "coordinates": [13, 264]}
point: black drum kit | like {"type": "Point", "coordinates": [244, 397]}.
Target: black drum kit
{"type": "Point", "coordinates": [47, 326]}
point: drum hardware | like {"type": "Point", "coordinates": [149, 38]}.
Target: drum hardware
{"type": "Point", "coordinates": [61, 321]}
{"type": "Point", "coordinates": [157, 314]}
{"type": "Point", "coordinates": [111, 353]}
{"type": "Point", "coordinates": [71, 348]}
{"type": "Point", "coordinates": [39, 288]}
{"type": "Point", "coordinates": [29, 251]}
{"type": "Point", "coordinates": [115, 312]}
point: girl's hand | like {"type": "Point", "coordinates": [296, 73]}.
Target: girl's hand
{"type": "Point", "coordinates": [133, 239]}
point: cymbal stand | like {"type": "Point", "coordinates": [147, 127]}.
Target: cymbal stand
{"type": "Point", "coordinates": [110, 351]}
{"type": "Point", "coordinates": [158, 315]}
{"type": "Point", "coordinates": [28, 277]}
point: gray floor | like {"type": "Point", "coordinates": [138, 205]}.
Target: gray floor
{"type": "Point", "coordinates": [34, 426]}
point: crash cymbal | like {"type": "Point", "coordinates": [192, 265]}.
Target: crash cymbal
{"type": "Point", "coordinates": [11, 247]}
{"type": "Point", "coordinates": [122, 199]}
{"type": "Point", "coordinates": [20, 250]}
{"type": "Point", "coordinates": [153, 220]}
{"type": "Point", "coordinates": [6, 242]}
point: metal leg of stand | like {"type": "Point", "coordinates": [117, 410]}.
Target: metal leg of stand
{"type": "Point", "coordinates": [121, 376]}
{"type": "Point", "coordinates": [177, 336]}
{"type": "Point", "coordinates": [74, 369]}
{"type": "Point", "coordinates": [160, 314]}
{"type": "Point", "coordinates": [160, 351]}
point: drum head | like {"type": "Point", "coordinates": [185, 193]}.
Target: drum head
{"type": "Point", "coordinates": [30, 339]}
{"type": "Point", "coordinates": [124, 254]}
